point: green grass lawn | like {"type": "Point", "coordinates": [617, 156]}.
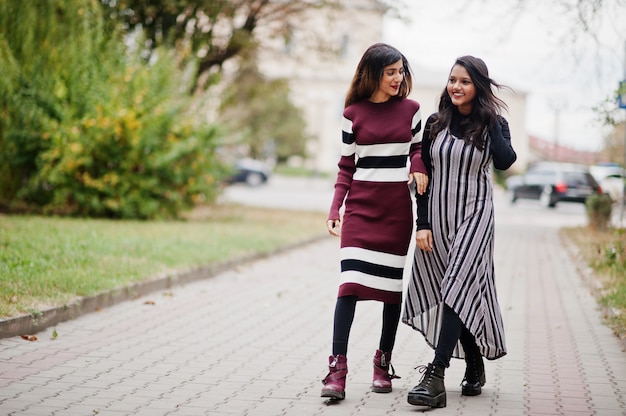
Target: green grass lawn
{"type": "Point", "coordinates": [46, 262]}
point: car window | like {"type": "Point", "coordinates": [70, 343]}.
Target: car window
{"type": "Point", "coordinates": [591, 180]}
{"type": "Point", "coordinates": [579, 179]}
{"type": "Point", "coordinates": [575, 179]}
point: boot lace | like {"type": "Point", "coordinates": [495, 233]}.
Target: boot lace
{"type": "Point", "coordinates": [472, 372]}
{"type": "Point", "coordinates": [426, 375]}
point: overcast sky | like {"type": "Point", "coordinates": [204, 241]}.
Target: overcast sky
{"type": "Point", "coordinates": [531, 50]}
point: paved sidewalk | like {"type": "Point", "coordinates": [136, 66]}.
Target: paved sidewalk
{"type": "Point", "coordinates": [255, 341]}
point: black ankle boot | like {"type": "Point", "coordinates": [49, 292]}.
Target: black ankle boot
{"type": "Point", "coordinates": [474, 375]}
{"type": "Point", "coordinates": [431, 390]}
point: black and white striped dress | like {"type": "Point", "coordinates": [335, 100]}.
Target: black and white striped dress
{"type": "Point", "coordinates": [459, 271]}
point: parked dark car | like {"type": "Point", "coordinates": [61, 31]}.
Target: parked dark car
{"type": "Point", "coordinates": [251, 172]}
{"type": "Point", "coordinates": [551, 183]}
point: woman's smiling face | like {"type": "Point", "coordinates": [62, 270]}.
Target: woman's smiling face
{"type": "Point", "coordinates": [390, 82]}
{"type": "Point", "coordinates": [461, 89]}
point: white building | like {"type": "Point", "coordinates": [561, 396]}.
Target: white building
{"type": "Point", "coordinates": [320, 76]}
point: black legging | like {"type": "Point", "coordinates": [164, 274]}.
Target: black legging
{"type": "Point", "coordinates": [344, 316]}
{"type": "Point", "coordinates": [452, 331]}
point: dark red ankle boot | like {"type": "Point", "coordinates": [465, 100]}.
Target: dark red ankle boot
{"type": "Point", "coordinates": [382, 377]}
{"type": "Point", "coordinates": [335, 382]}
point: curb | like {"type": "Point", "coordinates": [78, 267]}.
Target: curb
{"type": "Point", "coordinates": [33, 323]}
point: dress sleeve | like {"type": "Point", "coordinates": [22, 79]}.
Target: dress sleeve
{"type": "Point", "coordinates": [422, 221]}
{"type": "Point", "coordinates": [415, 152]}
{"type": "Point", "coordinates": [500, 145]}
{"type": "Point", "coordinates": [347, 167]}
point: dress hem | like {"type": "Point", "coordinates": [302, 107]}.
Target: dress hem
{"type": "Point", "coordinates": [368, 293]}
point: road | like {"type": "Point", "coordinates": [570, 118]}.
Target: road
{"type": "Point", "coordinates": [292, 193]}
{"type": "Point", "coordinates": [315, 194]}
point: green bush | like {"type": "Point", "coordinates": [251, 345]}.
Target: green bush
{"type": "Point", "coordinates": [138, 156]}
{"type": "Point", "coordinates": [89, 128]}
{"type": "Point", "coordinates": [599, 208]}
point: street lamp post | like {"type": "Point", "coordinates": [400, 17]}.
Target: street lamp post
{"type": "Point", "coordinates": [556, 106]}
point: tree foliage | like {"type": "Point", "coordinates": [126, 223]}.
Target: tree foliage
{"type": "Point", "coordinates": [87, 127]}
{"type": "Point", "coordinates": [260, 116]}
{"type": "Point", "coordinates": [583, 27]}
{"type": "Point", "coordinates": [613, 150]}
{"type": "Point", "coordinates": [211, 31]}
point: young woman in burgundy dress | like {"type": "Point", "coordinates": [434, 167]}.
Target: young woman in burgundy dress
{"type": "Point", "coordinates": [380, 158]}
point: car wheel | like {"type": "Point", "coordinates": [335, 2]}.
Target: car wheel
{"type": "Point", "coordinates": [512, 196]}
{"type": "Point", "coordinates": [254, 179]}
{"type": "Point", "coordinates": [546, 199]}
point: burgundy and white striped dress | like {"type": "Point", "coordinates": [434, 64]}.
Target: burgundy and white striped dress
{"type": "Point", "coordinates": [378, 140]}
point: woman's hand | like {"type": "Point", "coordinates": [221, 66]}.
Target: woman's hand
{"type": "Point", "coordinates": [334, 227]}
{"type": "Point", "coordinates": [421, 181]}
{"type": "Point", "coordinates": [424, 240]}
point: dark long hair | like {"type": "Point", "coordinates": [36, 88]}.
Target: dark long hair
{"type": "Point", "coordinates": [486, 107]}
{"type": "Point", "coordinates": [370, 69]}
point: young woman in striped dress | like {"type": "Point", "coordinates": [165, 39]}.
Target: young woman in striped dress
{"type": "Point", "coordinates": [451, 296]}
{"type": "Point", "coordinates": [379, 137]}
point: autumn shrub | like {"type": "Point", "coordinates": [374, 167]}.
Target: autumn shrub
{"type": "Point", "coordinates": [88, 127]}
{"type": "Point", "coordinates": [599, 208]}
{"type": "Point", "coordinates": [137, 156]}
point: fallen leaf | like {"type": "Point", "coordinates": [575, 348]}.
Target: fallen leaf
{"type": "Point", "coordinates": [149, 302]}
{"type": "Point", "coordinates": [30, 337]}
{"type": "Point", "coordinates": [54, 334]}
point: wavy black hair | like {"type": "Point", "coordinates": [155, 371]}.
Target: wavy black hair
{"type": "Point", "coordinates": [486, 106]}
